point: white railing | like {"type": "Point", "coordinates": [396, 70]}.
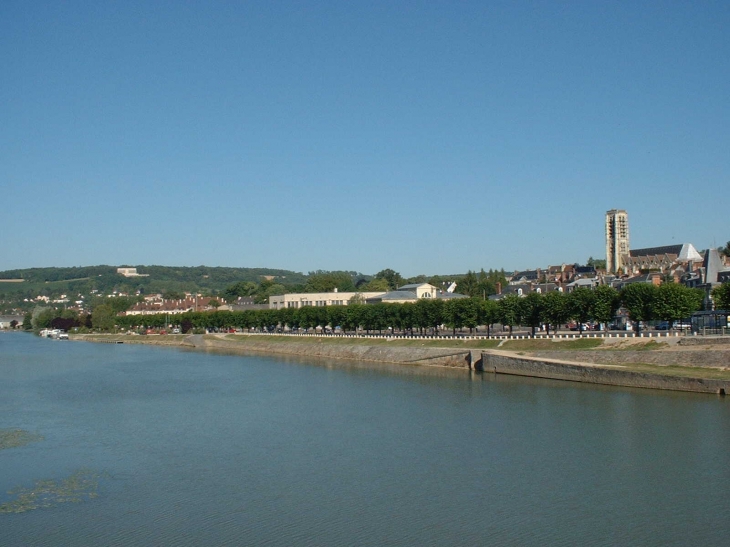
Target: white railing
{"type": "Point", "coordinates": [500, 336]}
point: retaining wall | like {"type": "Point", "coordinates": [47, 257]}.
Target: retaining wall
{"type": "Point", "coordinates": [403, 355]}
{"type": "Point", "coordinates": [502, 363]}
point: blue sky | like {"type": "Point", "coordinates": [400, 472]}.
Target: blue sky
{"type": "Point", "coordinates": [427, 137]}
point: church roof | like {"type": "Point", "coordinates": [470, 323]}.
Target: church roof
{"type": "Point", "coordinates": [651, 251]}
{"type": "Point", "coordinates": [685, 252]}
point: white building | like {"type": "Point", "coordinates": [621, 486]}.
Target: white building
{"type": "Point", "coordinates": [300, 300]}
{"type": "Point", "coordinates": [130, 272]}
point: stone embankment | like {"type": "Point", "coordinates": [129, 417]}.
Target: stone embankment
{"type": "Point", "coordinates": [613, 375]}
{"type": "Point", "coordinates": [560, 365]}
{"type": "Point", "coordinates": [706, 357]}
{"type": "Point", "coordinates": [442, 357]}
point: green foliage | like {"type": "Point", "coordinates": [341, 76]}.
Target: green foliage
{"type": "Point", "coordinates": [639, 299]}
{"type": "Point", "coordinates": [392, 277]}
{"type": "Point", "coordinates": [599, 264]}
{"type": "Point", "coordinates": [606, 302]}
{"type": "Point", "coordinates": [487, 282]}
{"type": "Point", "coordinates": [323, 281]}
{"type": "Point", "coordinates": [725, 251]}
{"type": "Point", "coordinates": [532, 310]}
{"type": "Point", "coordinates": [556, 310]}
{"type": "Point", "coordinates": [721, 296]}
{"type": "Point", "coordinates": [580, 305]}
{"type": "Point", "coordinates": [103, 317]}
{"type": "Point", "coordinates": [240, 289]}
{"type": "Point", "coordinates": [375, 285]}
{"type": "Point", "coordinates": [266, 289]}
{"type": "Point", "coordinates": [116, 303]}
{"type": "Point", "coordinates": [508, 310]}
{"type": "Point", "coordinates": [488, 313]}
{"type": "Point", "coordinates": [468, 285]}
{"type": "Point", "coordinates": [674, 302]}
{"type": "Point", "coordinates": [41, 317]}
{"type": "Point", "coordinates": [160, 279]}
{"type": "Point", "coordinates": [430, 313]}
{"type": "Point", "coordinates": [455, 313]}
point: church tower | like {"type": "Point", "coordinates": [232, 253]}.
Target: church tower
{"type": "Point", "coordinates": [617, 240]}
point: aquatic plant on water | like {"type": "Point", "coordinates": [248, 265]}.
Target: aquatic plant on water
{"type": "Point", "coordinates": [45, 493]}
{"type": "Point", "coordinates": [14, 438]}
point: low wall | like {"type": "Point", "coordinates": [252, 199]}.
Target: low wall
{"type": "Point", "coordinates": [152, 340]}
{"type": "Point", "coordinates": [401, 355]}
{"type": "Point", "coordinates": [502, 363]}
{"type": "Point", "coordinates": [705, 341]}
{"type": "Point", "coordinates": [436, 357]}
{"type": "Point", "coordinates": [690, 357]}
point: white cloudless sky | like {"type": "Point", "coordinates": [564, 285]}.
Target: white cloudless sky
{"type": "Point", "coordinates": [427, 137]}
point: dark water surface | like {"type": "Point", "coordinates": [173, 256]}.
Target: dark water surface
{"type": "Point", "coordinates": [197, 448]}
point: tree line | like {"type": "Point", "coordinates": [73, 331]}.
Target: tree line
{"type": "Point", "coordinates": [642, 302]}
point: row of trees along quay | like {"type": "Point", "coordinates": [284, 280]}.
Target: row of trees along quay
{"type": "Point", "coordinates": [642, 302]}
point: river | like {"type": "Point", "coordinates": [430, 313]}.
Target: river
{"type": "Point", "coordinates": [191, 448]}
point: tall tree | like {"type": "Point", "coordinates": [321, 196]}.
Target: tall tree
{"type": "Point", "coordinates": [725, 250]}
{"type": "Point", "coordinates": [555, 309]}
{"type": "Point", "coordinates": [674, 302]}
{"type": "Point", "coordinates": [240, 289]}
{"type": "Point", "coordinates": [606, 302]}
{"type": "Point", "coordinates": [102, 317]}
{"type": "Point", "coordinates": [323, 281]}
{"type": "Point", "coordinates": [468, 285]}
{"type": "Point", "coordinates": [508, 310]}
{"type": "Point", "coordinates": [393, 278]}
{"type": "Point", "coordinates": [580, 304]}
{"type": "Point", "coordinates": [721, 296]}
{"type": "Point", "coordinates": [531, 311]}
{"type": "Point", "coordinates": [488, 314]}
{"type": "Point", "coordinates": [639, 299]}
{"type": "Point", "coordinates": [375, 285]}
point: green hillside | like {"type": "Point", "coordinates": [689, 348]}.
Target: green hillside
{"type": "Point", "coordinates": [55, 281]}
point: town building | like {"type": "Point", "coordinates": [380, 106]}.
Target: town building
{"type": "Point", "coordinates": [412, 293]}
{"type": "Point", "coordinates": [666, 259]}
{"type": "Point", "coordinates": [710, 274]}
{"type": "Point", "coordinates": [130, 272]}
{"type": "Point", "coordinates": [174, 307]}
{"type": "Point", "coordinates": [335, 298]}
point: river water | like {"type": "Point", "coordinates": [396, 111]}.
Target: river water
{"type": "Point", "coordinates": [193, 448]}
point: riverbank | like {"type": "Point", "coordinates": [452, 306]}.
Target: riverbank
{"type": "Point", "coordinates": [638, 363]}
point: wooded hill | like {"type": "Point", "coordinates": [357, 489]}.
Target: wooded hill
{"type": "Point", "coordinates": [158, 279]}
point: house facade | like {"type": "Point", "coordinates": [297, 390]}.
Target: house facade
{"type": "Point", "coordinates": [335, 298]}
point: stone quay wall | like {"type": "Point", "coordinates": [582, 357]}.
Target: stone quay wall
{"type": "Point", "coordinates": [442, 357]}
{"type": "Point", "coordinates": [503, 363]}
